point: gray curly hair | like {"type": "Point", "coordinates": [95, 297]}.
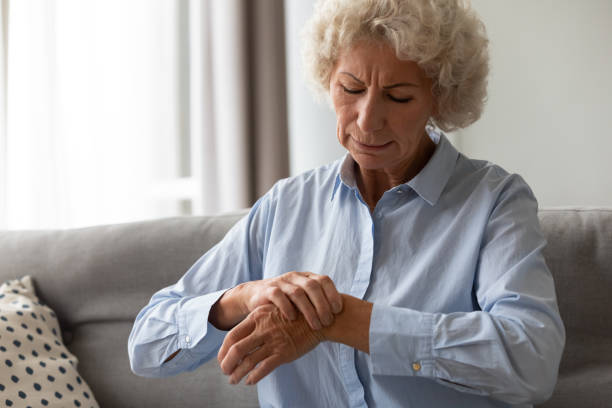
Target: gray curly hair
{"type": "Point", "coordinates": [444, 37]}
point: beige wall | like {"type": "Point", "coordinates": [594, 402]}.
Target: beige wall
{"type": "Point", "coordinates": [549, 115]}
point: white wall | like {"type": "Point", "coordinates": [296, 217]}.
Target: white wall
{"type": "Point", "coordinates": [549, 115]}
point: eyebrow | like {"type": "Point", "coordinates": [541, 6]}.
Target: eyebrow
{"type": "Point", "coordinates": [384, 87]}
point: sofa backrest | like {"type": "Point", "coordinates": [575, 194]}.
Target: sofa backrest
{"type": "Point", "coordinates": [97, 279]}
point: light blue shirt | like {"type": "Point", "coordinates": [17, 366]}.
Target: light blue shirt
{"type": "Point", "coordinates": [464, 314]}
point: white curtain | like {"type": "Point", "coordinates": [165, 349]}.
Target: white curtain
{"type": "Point", "coordinates": [3, 83]}
{"type": "Point", "coordinates": [91, 112]}
{"type": "Point", "coordinates": [123, 110]}
{"type": "Point", "coordinates": [219, 98]}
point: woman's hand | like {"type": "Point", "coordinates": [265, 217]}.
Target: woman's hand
{"type": "Point", "coordinates": [262, 342]}
{"type": "Point", "coordinates": [309, 294]}
{"type": "Point", "coordinates": [315, 296]}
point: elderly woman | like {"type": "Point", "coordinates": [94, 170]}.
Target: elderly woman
{"type": "Point", "coordinates": [404, 274]}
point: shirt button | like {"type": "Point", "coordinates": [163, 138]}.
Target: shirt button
{"type": "Point", "coordinates": [187, 339]}
{"type": "Point", "coordinates": [416, 366]}
{"type": "Point", "coordinates": [399, 191]}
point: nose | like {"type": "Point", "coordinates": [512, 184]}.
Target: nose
{"type": "Point", "coordinates": [371, 114]}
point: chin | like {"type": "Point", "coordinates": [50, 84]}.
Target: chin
{"type": "Point", "coordinates": [368, 161]}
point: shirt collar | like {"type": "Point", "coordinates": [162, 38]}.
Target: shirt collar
{"type": "Point", "coordinates": [431, 180]}
{"type": "Point", "coordinates": [346, 175]}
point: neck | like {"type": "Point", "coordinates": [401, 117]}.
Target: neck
{"type": "Point", "coordinates": [373, 183]}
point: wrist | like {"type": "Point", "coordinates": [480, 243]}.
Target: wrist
{"type": "Point", "coordinates": [229, 309]}
{"type": "Point", "coordinates": [237, 298]}
{"type": "Point", "coordinates": [352, 325]}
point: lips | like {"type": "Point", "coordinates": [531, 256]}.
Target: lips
{"type": "Point", "coordinates": [371, 147]}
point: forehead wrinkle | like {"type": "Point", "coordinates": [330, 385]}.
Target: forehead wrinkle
{"type": "Point", "coordinates": [365, 62]}
{"type": "Point", "coordinates": [395, 85]}
{"type": "Point", "coordinates": [409, 84]}
{"type": "Point", "coordinates": [353, 76]}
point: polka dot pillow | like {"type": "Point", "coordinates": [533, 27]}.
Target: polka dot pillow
{"type": "Point", "coordinates": [36, 369]}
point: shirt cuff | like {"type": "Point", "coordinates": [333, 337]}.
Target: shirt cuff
{"type": "Point", "coordinates": [194, 327]}
{"type": "Point", "coordinates": [401, 341]}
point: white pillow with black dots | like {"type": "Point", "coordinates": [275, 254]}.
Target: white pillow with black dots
{"type": "Point", "coordinates": [36, 369]}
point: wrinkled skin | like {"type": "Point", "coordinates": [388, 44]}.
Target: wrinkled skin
{"type": "Point", "coordinates": [263, 341]}
{"type": "Point", "coordinates": [314, 296]}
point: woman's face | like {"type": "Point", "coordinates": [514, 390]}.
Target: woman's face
{"type": "Point", "coordinates": [382, 105]}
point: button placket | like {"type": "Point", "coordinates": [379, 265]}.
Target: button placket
{"type": "Point", "coordinates": [359, 285]}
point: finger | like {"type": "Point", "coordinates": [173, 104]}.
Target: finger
{"type": "Point", "coordinates": [238, 352]}
{"type": "Point", "coordinates": [240, 331]}
{"type": "Point", "coordinates": [248, 363]}
{"type": "Point", "coordinates": [264, 368]}
{"type": "Point", "coordinates": [302, 302]}
{"type": "Point", "coordinates": [280, 300]}
{"type": "Point", "coordinates": [331, 293]}
{"type": "Point", "coordinates": [317, 297]}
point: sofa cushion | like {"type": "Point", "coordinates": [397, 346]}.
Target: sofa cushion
{"type": "Point", "coordinates": [36, 367]}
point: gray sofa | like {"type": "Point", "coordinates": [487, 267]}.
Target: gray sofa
{"type": "Point", "coordinates": [98, 278]}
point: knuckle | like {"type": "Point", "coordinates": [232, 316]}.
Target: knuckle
{"type": "Point", "coordinates": [230, 339]}
{"type": "Point", "coordinates": [231, 355]}
{"type": "Point", "coordinates": [261, 312]}
{"type": "Point", "coordinates": [326, 280]}
{"type": "Point", "coordinates": [311, 285]}
{"type": "Point", "coordinates": [296, 291]}
{"type": "Point", "coordinates": [235, 352]}
{"type": "Point", "coordinates": [273, 291]}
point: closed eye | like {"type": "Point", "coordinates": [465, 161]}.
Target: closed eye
{"type": "Point", "coordinates": [400, 100]}
{"type": "Point", "coordinates": [351, 91]}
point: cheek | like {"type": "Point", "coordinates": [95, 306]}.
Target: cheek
{"type": "Point", "coordinates": [343, 124]}
{"type": "Point", "coordinates": [411, 120]}
{"type": "Point", "coordinates": [341, 131]}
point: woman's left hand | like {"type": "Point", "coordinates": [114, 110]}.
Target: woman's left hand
{"type": "Point", "coordinates": [264, 340]}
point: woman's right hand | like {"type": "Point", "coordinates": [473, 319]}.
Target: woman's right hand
{"type": "Point", "coordinates": [314, 296]}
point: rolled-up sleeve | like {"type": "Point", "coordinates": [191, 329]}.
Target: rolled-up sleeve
{"type": "Point", "coordinates": [176, 317]}
{"type": "Point", "coordinates": [509, 349]}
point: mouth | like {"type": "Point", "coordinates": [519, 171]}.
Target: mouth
{"type": "Point", "coordinates": [371, 147]}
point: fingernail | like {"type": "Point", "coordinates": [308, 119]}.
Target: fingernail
{"type": "Point", "coordinates": [337, 307]}
{"type": "Point", "coordinates": [317, 325]}
{"type": "Point", "coordinates": [327, 320]}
